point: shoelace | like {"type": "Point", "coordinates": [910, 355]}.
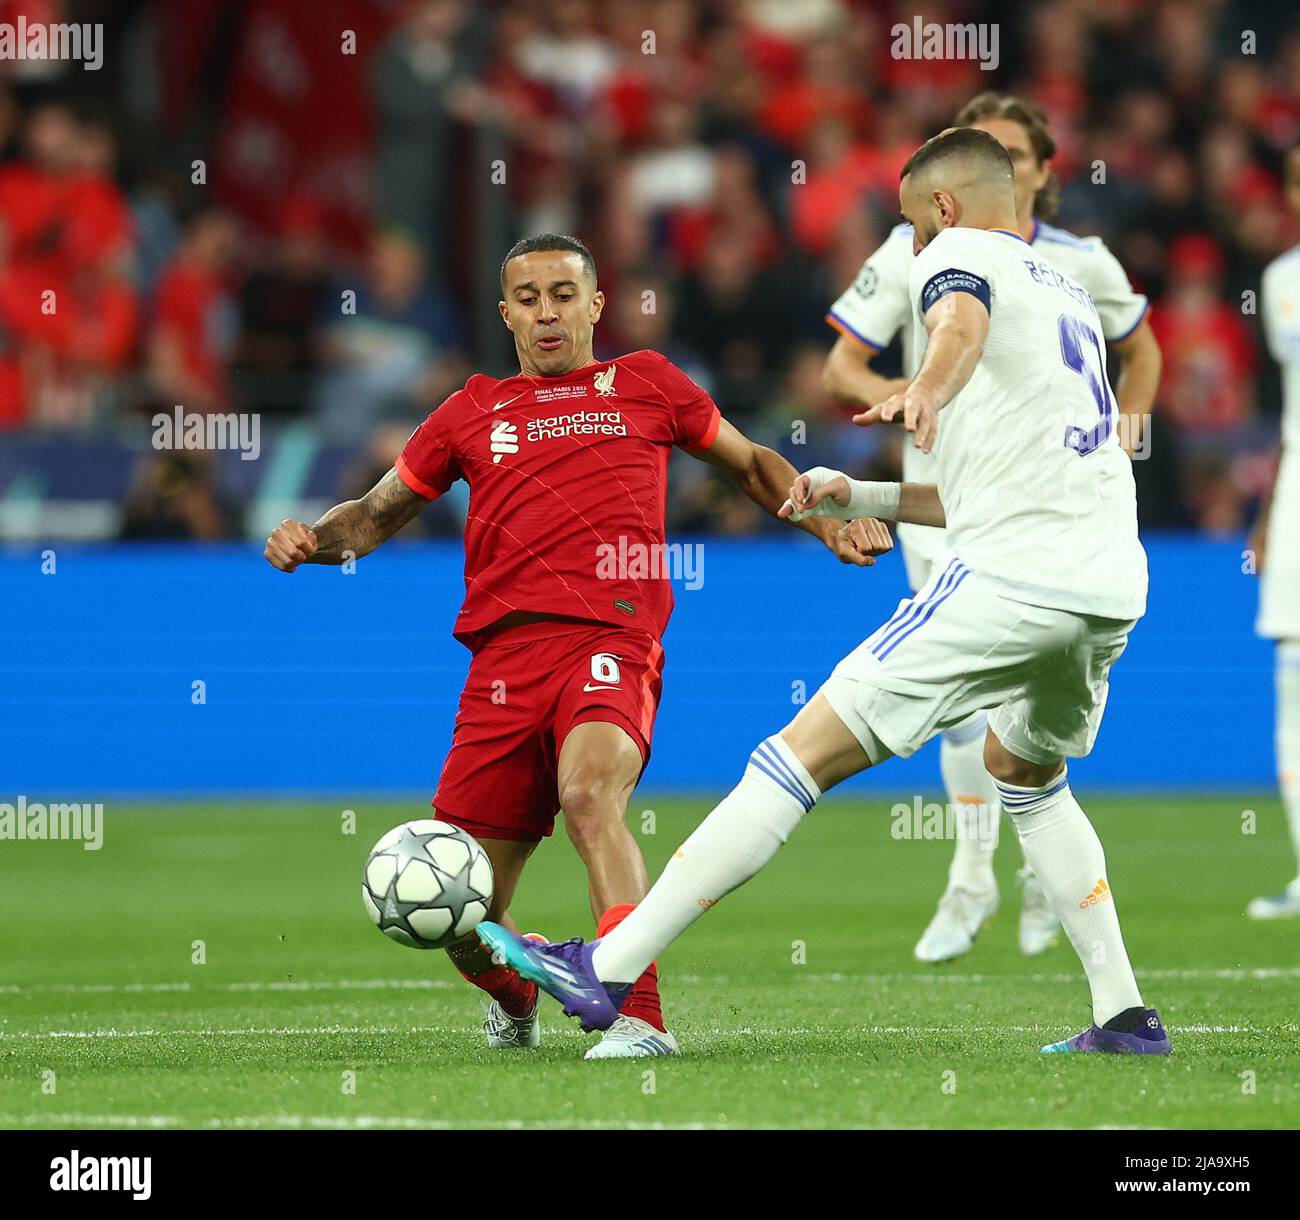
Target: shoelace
{"type": "Point", "coordinates": [502, 1024]}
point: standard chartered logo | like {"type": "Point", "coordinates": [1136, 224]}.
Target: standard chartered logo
{"type": "Point", "coordinates": [577, 423]}
{"type": "Point", "coordinates": [505, 439]}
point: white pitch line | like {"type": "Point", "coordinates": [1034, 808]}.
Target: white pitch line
{"type": "Point", "coordinates": [1255, 974]}
{"type": "Point", "coordinates": [330, 1121]}
{"type": "Point", "coordinates": [261, 985]}
{"type": "Point", "coordinates": [410, 1123]}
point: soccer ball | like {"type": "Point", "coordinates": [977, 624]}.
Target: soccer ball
{"type": "Point", "coordinates": [427, 884]}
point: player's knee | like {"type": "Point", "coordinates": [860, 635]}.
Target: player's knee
{"type": "Point", "coordinates": [590, 808]}
{"type": "Point", "coordinates": [998, 762]}
{"type": "Point", "coordinates": [1007, 768]}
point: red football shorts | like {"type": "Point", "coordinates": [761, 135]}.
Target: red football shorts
{"type": "Point", "coordinates": [527, 687]}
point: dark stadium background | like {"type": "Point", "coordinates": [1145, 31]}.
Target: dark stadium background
{"type": "Point", "coordinates": [130, 574]}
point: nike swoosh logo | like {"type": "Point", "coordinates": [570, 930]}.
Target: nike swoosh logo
{"type": "Point", "coordinates": [590, 687]}
{"type": "Point", "coordinates": [508, 401]}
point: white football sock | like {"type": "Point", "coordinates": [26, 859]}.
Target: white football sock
{"type": "Point", "coordinates": [972, 794]}
{"type": "Point", "coordinates": [1063, 849]}
{"type": "Point", "coordinates": [740, 836]}
{"type": "Point", "coordinates": [1288, 738]}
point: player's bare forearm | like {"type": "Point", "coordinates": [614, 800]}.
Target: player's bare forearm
{"type": "Point", "coordinates": [767, 482]}
{"type": "Point", "coordinates": [765, 477]}
{"type": "Point", "coordinates": [958, 324]}
{"type": "Point", "coordinates": [768, 479]}
{"type": "Point", "coordinates": [1139, 378]}
{"type": "Point", "coordinates": [357, 527]}
{"type": "Point", "coordinates": [830, 494]}
{"type": "Point", "coordinates": [758, 471]}
{"type": "Point", "coordinates": [954, 349]}
{"type": "Point", "coordinates": [919, 504]}
{"type": "Point", "coordinates": [847, 375]}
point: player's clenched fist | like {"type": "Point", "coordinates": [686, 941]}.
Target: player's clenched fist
{"type": "Point", "coordinates": [292, 543]}
{"type": "Point", "coordinates": [861, 540]}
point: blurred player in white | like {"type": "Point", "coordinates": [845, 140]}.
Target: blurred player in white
{"type": "Point", "coordinates": [1277, 540]}
{"type": "Point", "coordinates": [867, 316]}
{"type": "Point", "coordinates": [1024, 615]}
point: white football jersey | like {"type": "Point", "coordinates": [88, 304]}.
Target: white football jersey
{"type": "Point", "coordinates": [1279, 612]}
{"type": "Point", "coordinates": [875, 307]}
{"type": "Point", "coordinates": [1037, 492]}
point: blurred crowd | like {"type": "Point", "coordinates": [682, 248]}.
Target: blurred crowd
{"type": "Point", "coordinates": [730, 163]}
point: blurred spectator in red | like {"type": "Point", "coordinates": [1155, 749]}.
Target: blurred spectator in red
{"type": "Point", "coordinates": [393, 350]}
{"type": "Point", "coordinates": [839, 174]}
{"type": "Point", "coordinates": [195, 318]}
{"type": "Point", "coordinates": [66, 300]}
{"type": "Point", "coordinates": [674, 61]}
{"type": "Point", "coordinates": [933, 89]}
{"type": "Point", "coordinates": [1209, 351]}
{"type": "Point", "coordinates": [734, 205]}
{"type": "Point", "coordinates": [99, 307]}
{"type": "Point", "coordinates": [831, 87]}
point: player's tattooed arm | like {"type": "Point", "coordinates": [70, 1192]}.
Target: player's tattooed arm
{"type": "Point", "coordinates": [360, 526]}
{"type": "Point", "coordinates": [349, 530]}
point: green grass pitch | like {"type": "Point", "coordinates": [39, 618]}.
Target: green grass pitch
{"type": "Point", "coordinates": [797, 1000]}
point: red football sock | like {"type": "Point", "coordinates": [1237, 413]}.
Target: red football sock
{"type": "Point", "coordinates": [643, 1000]}
{"type": "Point", "coordinates": [515, 996]}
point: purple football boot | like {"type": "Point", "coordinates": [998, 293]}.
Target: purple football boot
{"type": "Point", "coordinates": [563, 971]}
{"type": "Point", "coordinates": [1136, 1031]}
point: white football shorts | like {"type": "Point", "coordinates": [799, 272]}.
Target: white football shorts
{"type": "Point", "coordinates": [960, 646]}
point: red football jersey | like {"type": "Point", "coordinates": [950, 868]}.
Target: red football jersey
{"type": "Point", "coordinates": [567, 481]}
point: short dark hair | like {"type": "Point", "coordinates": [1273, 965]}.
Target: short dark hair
{"type": "Point", "coordinates": [1030, 115]}
{"type": "Point", "coordinates": [549, 241]}
{"type": "Point", "coordinates": [960, 142]}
